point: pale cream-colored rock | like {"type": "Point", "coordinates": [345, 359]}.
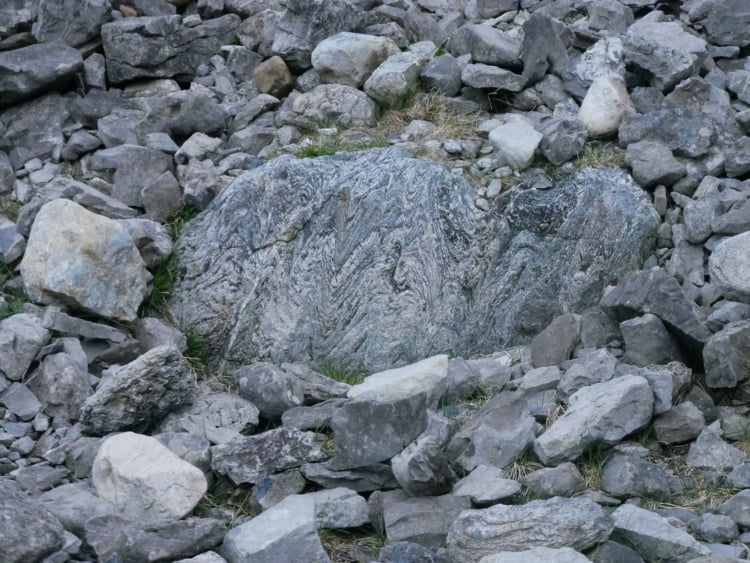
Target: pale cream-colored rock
{"type": "Point", "coordinates": [83, 260]}
{"type": "Point", "coordinates": [144, 479]}
{"type": "Point", "coordinates": [516, 142]}
{"type": "Point", "coordinates": [604, 106]}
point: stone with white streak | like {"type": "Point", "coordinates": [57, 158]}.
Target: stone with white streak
{"type": "Point", "coordinates": [145, 479]}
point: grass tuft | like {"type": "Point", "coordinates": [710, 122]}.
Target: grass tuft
{"type": "Point", "coordinates": [337, 372]}
{"type": "Point", "coordinates": [352, 545]}
{"type": "Point", "coordinates": [591, 465]}
{"type": "Point", "coordinates": [600, 154]}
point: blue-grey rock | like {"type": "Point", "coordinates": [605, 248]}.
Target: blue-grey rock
{"type": "Point", "coordinates": [626, 476]}
{"type": "Point", "coordinates": [310, 239]}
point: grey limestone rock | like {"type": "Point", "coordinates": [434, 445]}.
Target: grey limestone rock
{"type": "Point", "coordinates": [21, 337]}
{"type": "Point", "coordinates": [29, 70]}
{"type": "Point", "coordinates": [268, 388]}
{"type": "Point", "coordinates": [486, 44]}
{"type": "Point", "coordinates": [611, 551]}
{"type": "Point", "coordinates": [114, 537]}
{"type": "Point", "coordinates": [406, 551]}
{"type": "Point", "coordinates": [314, 417]}
{"type": "Point", "coordinates": [316, 386]}
{"type": "Point", "coordinates": [248, 458]}
{"type": "Point", "coordinates": [71, 22]}
{"type": "Point", "coordinates": [600, 413]}
{"type": "Point", "coordinates": [536, 555]}
{"type": "Point", "coordinates": [709, 451]}
{"type": "Point", "coordinates": [556, 342]}
{"type": "Point", "coordinates": [140, 393]}
{"type": "Point", "coordinates": [681, 423]}
{"type": "Point", "coordinates": [627, 476]}
{"type": "Point", "coordinates": [716, 528]}
{"type": "Point", "coordinates": [28, 531]}
{"type": "Point", "coordinates": [405, 297]}
{"type": "Point", "coordinates": [737, 508]}
{"type": "Point", "coordinates": [422, 520]}
{"type": "Point", "coordinates": [652, 163]}
{"type": "Point", "coordinates": [656, 292]}
{"type": "Point", "coordinates": [194, 449]}
{"type": "Point", "coordinates": [577, 523]}
{"type": "Point", "coordinates": [20, 401]}
{"type": "Point", "coordinates": [565, 480]}
{"type": "Point", "coordinates": [329, 104]}
{"type": "Point", "coordinates": [563, 139]}
{"type": "Point", "coordinates": [593, 366]}
{"type": "Point", "coordinates": [423, 468]}
{"type": "Point", "coordinates": [729, 267]}
{"type": "Point", "coordinates": [152, 332]}
{"type": "Point", "coordinates": [495, 435]}
{"type": "Point", "coordinates": [85, 260]}
{"type": "Point", "coordinates": [652, 536]}
{"type": "Point", "coordinates": [35, 129]}
{"type": "Point", "coordinates": [273, 489]}
{"type": "Point", "coordinates": [349, 58]}
{"type": "Point", "coordinates": [726, 22]}
{"type": "Point", "coordinates": [160, 46]}
{"type": "Point", "coordinates": [726, 356]}
{"type": "Point", "coordinates": [480, 75]}
{"type": "Point", "coordinates": [74, 503]}
{"type": "Point", "coordinates": [543, 47]}
{"type": "Point", "coordinates": [486, 485]}
{"type": "Point", "coordinates": [686, 131]}
{"type": "Point", "coordinates": [367, 478]}
{"type": "Point", "coordinates": [664, 50]}
{"type": "Point", "coordinates": [395, 79]}
{"type": "Point", "coordinates": [647, 341]}
{"type": "Point", "coordinates": [443, 74]}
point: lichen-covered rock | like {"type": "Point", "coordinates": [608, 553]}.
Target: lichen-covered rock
{"type": "Point", "coordinates": [84, 260]}
{"type": "Point", "coordinates": [339, 248]}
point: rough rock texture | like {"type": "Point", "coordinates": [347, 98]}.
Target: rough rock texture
{"type": "Point", "coordinates": [604, 412]}
{"type": "Point", "coordinates": [729, 267]}
{"type": "Point", "coordinates": [558, 522]}
{"type": "Point", "coordinates": [144, 479]}
{"type": "Point", "coordinates": [72, 22]}
{"type": "Point", "coordinates": [26, 71]}
{"type": "Point", "coordinates": [160, 46]}
{"type": "Point", "coordinates": [327, 104]}
{"type": "Point", "coordinates": [386, 296]}
{"type": "Point", "coordinates": [139, 393]}
{"type": "Point", "coordinates": [85, 260]}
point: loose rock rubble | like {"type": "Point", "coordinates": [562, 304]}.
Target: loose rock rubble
{"type": "Point", "coordinates": [502, 315]}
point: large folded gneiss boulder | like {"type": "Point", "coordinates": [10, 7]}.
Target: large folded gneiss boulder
{"type": "Point", "coordinates": [380, 259]}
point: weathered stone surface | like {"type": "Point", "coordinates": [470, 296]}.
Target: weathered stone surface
{"type": "Point", "coordinates": [423, 469]}
{"type": "Point", "coordinates": [329, 104]}
{"type": "Point", "coordinates": [248, 458]}
{"type": "Point", "coordinates": [510, 303]}
{"type": "Point", "coordinates": [393, 81]}
{"type": "Point", "coordinates": [626, 476]}
{"type": "Point", "coordinates": [516, 142]}
{"type": "Point", "coordinates": [556, 342]}
{"type": "Point", "coordinates": [729, 267]}
{"type": "Point", "coordinates": [114, 537]}
{"type": "Point", "coordinates": [481, 75]}
{"type": "Point", "coordinates": [160, 46]}
{"type": "Point", "coordinates": [422, 520]}
{"type": "Point", "coordinates": [665, 51]}
{"type": "Point", "coordinates": [194, 449]}
{"type": "Point", "coordinates": [28, 531]}
{"type": "Point", "coordinates": [556, 523]}
{"type": "Point", "coordinates": [20, 401]}
{"type": "Point", "coordinates": [727, 22]}
{"type": "Point", "coordinates": [30, 70]}
{"type": "Point", "coordinates": [273, 77]}
{"type": "Point", "coordinates": [647, 341]}
{"type": "Point", "coordinates": [652, 536]}
{"type": "Point", "coordinates": [140, 393]}
{"type": "Point", "coordinates": [594, 366]}
{"type": "Point", "coordinates": [656, 292]}
{"type": "Point", "coordinates": [543, 47]}
{"type": "Point", "coordinates": [604, 106]}
{"type": "Point", "coordinates": [652, 163]}
{"type": "Point", "coordinates": [715, 528]}
{"type": "Point", "coordinates": [21, 338]}
{"type": "Point", "coordinates": [349, 58]}
{"type": "Point", "coordinates": [685, 131]}
{"type": "Point", "coordinates": [316, 386]}
{"type": "Point", "coordinates": [487, 485]}
{"type": "Point", "coordinates": [268, 388]}
{"type": "Point", "coordinates": [562, 481]}
{"type": "Point", "coordinates": [72, 22]}
{"type": "Point", "coordinates": [726, 356]}
{"type": "Point", "coordinates": [737, 508]}
{"type": "Point", "coordinates": [84, 260]}
{"type": "Point", "coordinates": [709, 451]}
{"type": "Point", "coordinates": [442, 74]}
{"type": "Point", "coordinates": [34, 129]}
{"type": "Point", "coordinates": [220, 417]}
{"type": "Point", "coordinates": [285, 532]}
{"type": "Point", "coordinates": [486, 44]}
{"type": "Point", "coordinates": [361, 479]}
{"type": "Point", "coordinates": [144, 479]}
{"type": "Point", "coordinates": [563, 139]}
{"type": "Point", "coordinates": [73, 504]}
{"type": "Point", "coordinates": [601, 413]}
{"type": "Point", "coordinates": [681, 423]}
{"type": "Point", "coordinates": [495, 435]}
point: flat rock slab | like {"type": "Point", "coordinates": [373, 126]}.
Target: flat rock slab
{"type": "Point", "coordinates": [653, 537]}
{"type": "Point", "coordinates": [729, 266]}
{"type": "Point", "coordinates": [28, 70]}
{"type": "Point", "coordinates": [343, 262]}
{"type": "Point", "coordinates": [577, 523]}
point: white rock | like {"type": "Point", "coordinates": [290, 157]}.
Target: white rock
{"type": "Point", "coordinates": [516, 141]}
{"type": "Point", "coordinates": [606, 103]}
{"type": "Point", "coordinates": [537, 555]}
{"type": "Point", "coordinates": [349, 58]}
{"type": "Point", "coordinates": [85, 260]}
{"type": "Point", "coordinates": [426, 376]}
{"type": "Point", "coordinates": [729, 266]}
{"type": "Point", "coordinates": [145, 479]}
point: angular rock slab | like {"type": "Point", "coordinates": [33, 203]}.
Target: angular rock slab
{"type": "Point", "coordinates": [28, 70]}
{"type": "Point", "coordinates": [653, 537]}
{"type": "Point", "coordinates": [139, 393]}
{"type": "Point", "coordinates": [729, 267]}
{"type": "Point", "coordinates": [577, 523]}
{"type": "Point", "coordinates": [342, 249]}
{"type": "Point", "coordinates": [600, 413]}
{"type": "Point", "coordinates": [161, 47]}
{"type": "Point", "coordinates": [144, 479]}
{"type": "Point", "coordinates": [537, 555]}
{"type": "Point", "coordinates": [248, 459]}
{"type": "Point", "coordinates": [84, 260]}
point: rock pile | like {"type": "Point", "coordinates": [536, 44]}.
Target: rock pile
{"type": "Point", "coordinates": [543, 270]}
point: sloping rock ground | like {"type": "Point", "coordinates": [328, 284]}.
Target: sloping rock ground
{"type": "Point", "coordinates": [379, 259]}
